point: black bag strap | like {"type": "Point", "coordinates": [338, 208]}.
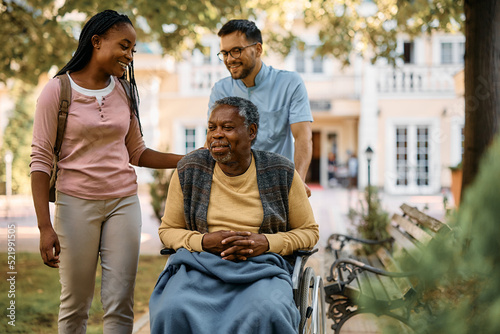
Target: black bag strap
{"type": "Point", "coordinates": [64, 102]}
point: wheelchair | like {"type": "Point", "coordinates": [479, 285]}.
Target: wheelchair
{"type": "Point", "coordinates": [308, 292]}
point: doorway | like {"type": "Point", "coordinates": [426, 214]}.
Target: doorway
{"type": "Point", "coordinates": [313, 174]}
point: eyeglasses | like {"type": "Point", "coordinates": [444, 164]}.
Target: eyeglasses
{"type": "Point", "coordinates": [235, 52]}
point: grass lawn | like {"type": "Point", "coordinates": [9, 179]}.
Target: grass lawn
{"type": "Point", "coordinates": [37, 290]}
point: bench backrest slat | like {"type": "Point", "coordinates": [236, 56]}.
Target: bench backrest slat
{"type": "Point", "coordinates": [386, 258]}
{"type": "Point", "coordinates": [402, 241]}
{"type": "Point", "coordinates": [390, 287]}
{"type": "Point", "coordinates": [427, 221]}
{"type": "Point", "coordinates": [412, 229]}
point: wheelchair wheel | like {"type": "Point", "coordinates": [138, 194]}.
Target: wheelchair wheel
{"type": "Point", "coordinates": [306, 306]}
{"type": "Point", "coordinates": [319, 324]}
{"type": "Point", "coordinates": [311, 304]}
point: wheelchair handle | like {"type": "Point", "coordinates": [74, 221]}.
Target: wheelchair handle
{"type": "Point", "coordinates": [167, 251]}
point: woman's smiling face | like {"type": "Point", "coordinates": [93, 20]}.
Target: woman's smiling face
{"type": "Point", "coordinates": [115, 49]}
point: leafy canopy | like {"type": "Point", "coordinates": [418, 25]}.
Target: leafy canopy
{"type": "Point", "coordinates": [372, 27]}
{"type": "Point", "coordinates": [39, 34]}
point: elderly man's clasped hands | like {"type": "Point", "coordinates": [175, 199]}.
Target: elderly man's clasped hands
{"type": "Point", "coordinates": [235, 246]}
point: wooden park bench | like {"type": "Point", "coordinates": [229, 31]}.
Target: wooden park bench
{"type": "Point", "coordinates": [376, 279]}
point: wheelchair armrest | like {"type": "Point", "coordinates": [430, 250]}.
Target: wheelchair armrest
{"type": "Point", "coordinates": [305, 252]}
{"type": "Point", "coordinates": [301, 257]}
{"type": "Point", "coordinates": [167, 251]}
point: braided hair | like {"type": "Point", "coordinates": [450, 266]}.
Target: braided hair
{"type": "Point", "coordinates": [99, 24]}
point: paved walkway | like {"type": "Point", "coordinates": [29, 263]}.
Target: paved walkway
{"type": "Point", "coordinates": [330, 208]}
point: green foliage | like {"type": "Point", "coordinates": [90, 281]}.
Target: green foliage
{"type": "Point", "coordinates": [176, 26]}
{"type": "Point", "coordinates": [371, 221]}
{"type": "Point", "coordinates": [459, 274]}
{"type": "Point", "coordinates": [370, 28]}
{"type": "Point", "coordinates": [37, 35]}
{"type": "Point", "coordinates": [33, 39]}
{"type": "Point", "coordinates": [17, 138]}
{"type": "Point", "coordinates": [158, 189]}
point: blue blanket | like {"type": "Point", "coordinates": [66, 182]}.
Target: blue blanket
{"type": "Point", "coordinates": [201, 293]}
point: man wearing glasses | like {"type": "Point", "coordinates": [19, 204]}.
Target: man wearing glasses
{"type": "Point", "coordinates": [280, 96]}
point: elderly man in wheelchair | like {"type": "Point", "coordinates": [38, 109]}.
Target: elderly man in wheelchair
{"type": "Point", "coordinates": [232, 215]}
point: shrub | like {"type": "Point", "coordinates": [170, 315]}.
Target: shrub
{"type": "Point", "coordinates": [158, 189]}
{"type": "Point", "coordinates": [459, 274]}
{"type": "Point", "coordinates": [372, 220]}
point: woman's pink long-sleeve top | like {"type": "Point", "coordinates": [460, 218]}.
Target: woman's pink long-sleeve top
{"type": "Point", "coordinates": [99, 144]}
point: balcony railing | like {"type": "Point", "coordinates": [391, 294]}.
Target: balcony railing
{"type": "Point", "coordinates": [408, 79]}
{"type": "Point", "coordinates": [417, 79]}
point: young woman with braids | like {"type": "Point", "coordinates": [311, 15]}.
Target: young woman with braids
{"type": "Point", "coordinates": [97, 208]}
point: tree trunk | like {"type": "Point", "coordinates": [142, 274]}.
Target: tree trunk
{"type": "Point", "coordinates": [482, 82]}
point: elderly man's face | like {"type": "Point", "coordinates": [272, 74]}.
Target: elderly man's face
{"type": "Point", "coordinates": [228, 138]}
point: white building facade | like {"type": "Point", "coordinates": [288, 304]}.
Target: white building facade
{"type": "Point", "coordinates": [409, 115]}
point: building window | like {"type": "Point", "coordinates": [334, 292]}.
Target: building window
{"type": "Point", "coordinates": [461, 52]}
{"type": "Point", "coordinates": [456, 140]}
{"type": "Point", "coordinates": [207, 59]}
{"type": "Point", "coordinates": [320, 105]}
{"type": "Point", "coordinates": [190, 139]}
{"type": "Point", "coordinates": [402, 156]}
{"type": "Point", "coordinates": [446, 53]}
{"type": "Point", "coordinates": [462, 143]}
{"type": "Point", "coordinates": [318, 64]}
{"type": "Point", "coordinates": [422, 156]}
{"type": "Point", "coordinates": [408, 55]}
{"type": "Point", "coordinates": [413, 160]}
{"type": "Point", "coordinates": [189, 135]}
{"type": "Point", "coordinates": [300, 62]}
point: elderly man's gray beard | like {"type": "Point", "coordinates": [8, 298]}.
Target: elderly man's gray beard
{"type": "Point", "coordinates": [221, 158]}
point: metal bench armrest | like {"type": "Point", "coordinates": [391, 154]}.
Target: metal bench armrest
{"type": "Point", "coordinates": [357, 267]}
{"type": "Point", "coordinates": [343, 239]}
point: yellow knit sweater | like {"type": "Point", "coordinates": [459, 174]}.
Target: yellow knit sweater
{"type": "Point", "coordinates": [235, 205]}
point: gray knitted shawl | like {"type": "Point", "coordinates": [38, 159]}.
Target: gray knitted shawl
{"type": "Point", "coordinates": [274, 179]}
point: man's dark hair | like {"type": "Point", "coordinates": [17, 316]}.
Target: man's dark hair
{"type": "Point", "coordinates": [246, 109]}
{"type": "Point", "coordinates": [252, 33]}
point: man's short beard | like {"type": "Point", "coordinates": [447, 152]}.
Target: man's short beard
{"type": "Point", "coordinates": [221, 159]}
{"type": "Point", "coordinates": [245, 73]}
